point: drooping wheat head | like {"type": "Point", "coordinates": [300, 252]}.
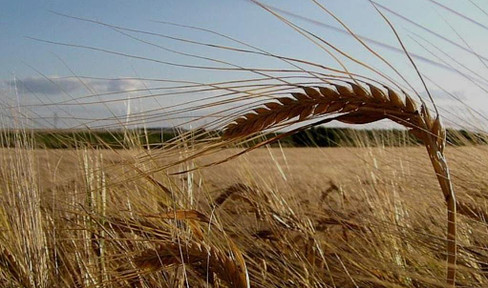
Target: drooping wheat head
{"type": "Point", "coordinates": [356, 103]}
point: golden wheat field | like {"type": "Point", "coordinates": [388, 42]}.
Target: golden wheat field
{"type": "Point", "coordinates": [317, 144]}
{"type": "Point", "coordinates": [297, 217]}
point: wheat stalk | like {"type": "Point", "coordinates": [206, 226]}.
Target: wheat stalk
{"type": "Point", "coordinates": [359, 104]}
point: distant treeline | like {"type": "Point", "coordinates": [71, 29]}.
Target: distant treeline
{"type": "Point", "coordinates": [69, 139]}
{"type": "Point", "coordinates": [314, 137]}
{"type": "Point", "coordinates": [335, 137]}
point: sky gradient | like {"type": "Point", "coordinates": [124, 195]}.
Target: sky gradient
{"type": "Point", "coordinates": [38, 67]}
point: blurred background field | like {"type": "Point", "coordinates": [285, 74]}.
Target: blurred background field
{"type": "Point", "coordinates": [308, 217]}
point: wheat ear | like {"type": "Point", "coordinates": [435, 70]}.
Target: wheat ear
{"type": "Point", "coordinates": [356, 103]}
{"type": "Point", "coordinates": [228, 266]}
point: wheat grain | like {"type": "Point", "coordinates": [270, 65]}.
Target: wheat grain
{"type": "Point", "coordinates": [360, 105]}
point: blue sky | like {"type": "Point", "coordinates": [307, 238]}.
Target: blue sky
{"type": "Point", "coordinates": [32, 62]}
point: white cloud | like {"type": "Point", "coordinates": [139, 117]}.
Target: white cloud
{"type": "Point", "coordinates": [58, 85]}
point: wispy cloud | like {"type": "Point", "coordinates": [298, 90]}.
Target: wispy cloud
{"type": "Point", "coordinates": [62, 85]}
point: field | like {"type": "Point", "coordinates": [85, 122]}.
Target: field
{"type": "Point", "coordinates": [297, 217]}
{"type": "Point", "coordinates": [246, 144]}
